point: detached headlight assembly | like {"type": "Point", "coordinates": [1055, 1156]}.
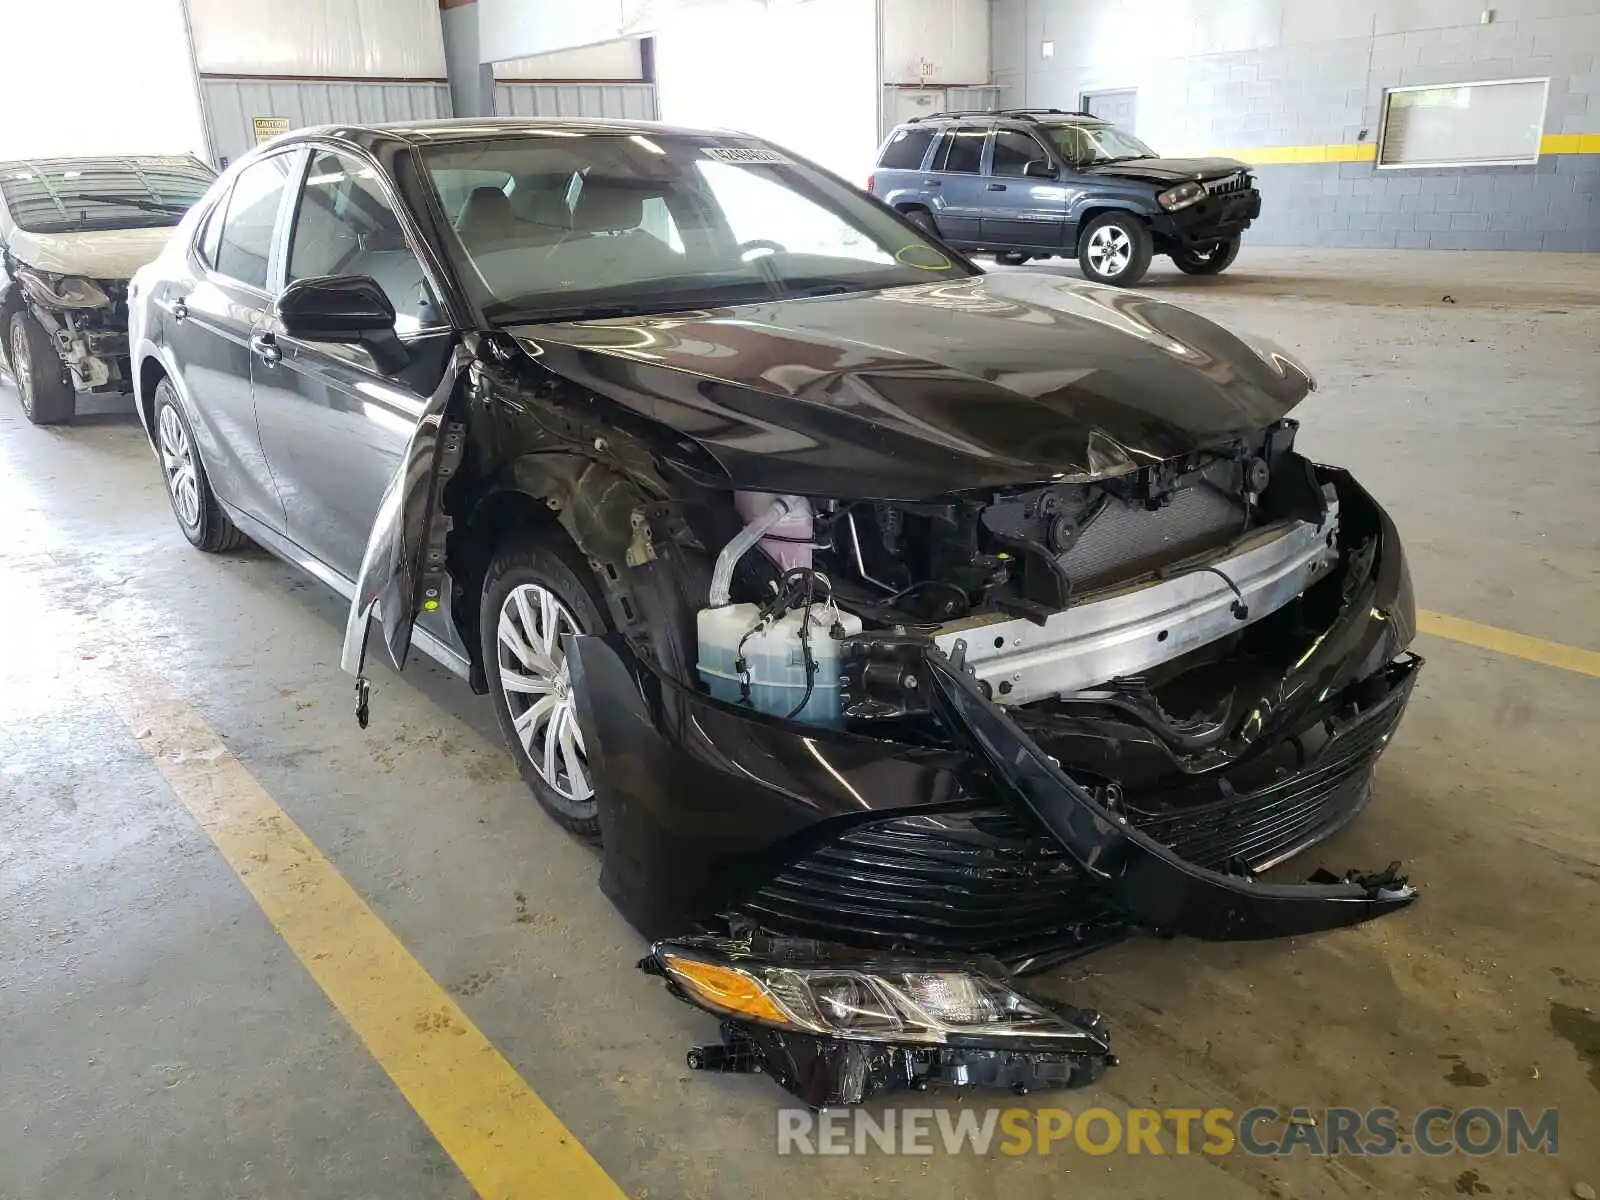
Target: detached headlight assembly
{"type": "Point", "coordinates": [835, 1025]}
{"type": "Point", "coordinates": [1181, 196]}
{"type": "Point", "coordinates": [62, 291]}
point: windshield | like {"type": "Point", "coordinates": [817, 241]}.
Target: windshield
{"type": "Point", "coordinates": [78, 195]}
{"type": "Point", "coordinates": [561, 225]}
{"type": "Point", "coordinates": [1096, 143]}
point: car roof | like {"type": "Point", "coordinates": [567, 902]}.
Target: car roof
{"type": "Point", "coordinates": [472, 129]}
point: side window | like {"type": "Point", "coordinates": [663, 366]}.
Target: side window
{"type": "Point", "coordinates": [211, 235]}
{"type": "Point", "coordinates": [905, 149]}
{"type": "Point", "coordinates": [345, 226]}
{"type": "Point", "coordinates": [1014, 150]}
{"type": "Point", "coordinates": [245, 241]}
{"type": "Point", "coordinates": [962, 151]}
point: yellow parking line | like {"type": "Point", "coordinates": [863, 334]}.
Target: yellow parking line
{"type": "Point", "coordinates": [1504, 641]}
{"type": "Point", "coordinates": [505, 1140]}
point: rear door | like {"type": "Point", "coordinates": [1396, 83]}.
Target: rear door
{"type": "Point", "coordinates": [1021, 210]}
{"type": "Point", "coordinates": [209, 319]}
{"type": "Point", "coordinates": [956, 184]}
{"type": "Point", "coordinates": [334, 425]}
{"type": "Point", "coordinates": [898, 177]}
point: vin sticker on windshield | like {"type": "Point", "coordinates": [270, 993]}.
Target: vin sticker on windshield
{"type": "Point", "coordinates": [745, 155]}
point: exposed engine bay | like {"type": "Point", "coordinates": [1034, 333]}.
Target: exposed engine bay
{"type": "Point", "coordinates": [1044, 592]}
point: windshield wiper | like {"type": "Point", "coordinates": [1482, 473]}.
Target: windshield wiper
{"type": "Point", "coordinates": [1100, 162]}
{"type": "Point", "coordinates": [144, 203]}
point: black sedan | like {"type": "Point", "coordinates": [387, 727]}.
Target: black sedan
{"type": "Point", "coordinates": [895, 627]}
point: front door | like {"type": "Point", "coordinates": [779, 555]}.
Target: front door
{"type": "Point", "coordinates": [210, 320]}
{"type": "Point", "coordinates": [335, 426]}
{"type": "Point", "coordinates": [1022, 209]}
{"type": "Point", "coordinates": [956, 185]}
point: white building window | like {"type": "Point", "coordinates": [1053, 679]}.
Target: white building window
{"type": "Point", "coordinates": [1491, 123]}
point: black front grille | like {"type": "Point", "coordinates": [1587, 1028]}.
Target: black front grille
{"type": "Point", "coordinates": [978, 882]}
{"type": "Point", "coordinates": [994, 882]}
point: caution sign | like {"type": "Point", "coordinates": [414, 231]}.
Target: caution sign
{"type": "Point", "coordinates": [268, 128]}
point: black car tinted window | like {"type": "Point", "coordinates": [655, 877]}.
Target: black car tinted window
{"type": "Point", "coordinates": [344, 225]}
{"type": "Point", "coordinates": [246, 242]}
{"type": "Point", "coordinates": [1014, 150]}
{"type": "Point", "coordinates": [905, 149]}
{"type": "Point", "coordinates": [961, 152]}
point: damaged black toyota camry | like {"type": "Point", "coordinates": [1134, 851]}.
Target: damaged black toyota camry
{"type": "Point", "coordinates": [896, 628]}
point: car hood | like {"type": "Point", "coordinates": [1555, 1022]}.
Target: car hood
{"type": "Point", "coordinates": [1169, 170]}
{"type": "Point", "coordinates": [97, 254]}
{"type": "Point", "coordinates": [918, 391]}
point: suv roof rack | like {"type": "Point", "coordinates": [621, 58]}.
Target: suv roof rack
{"type": "Point", "coordinates": [1026, 114]}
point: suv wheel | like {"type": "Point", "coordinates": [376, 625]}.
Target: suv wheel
{"type": "Point", "coordinates": [922, 219]}
{"type": "Point", "coordinates": [1213, 260]}
{"type": "Point", "coordinates": [1010, 258]}
{"type": "Point", "coordinates": [43, 385]}
{"type": "Point", "coordinates": [535, 593]}
{"type": "Point", "coordinates": [1115, 248]}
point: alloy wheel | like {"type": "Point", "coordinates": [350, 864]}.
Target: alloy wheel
{"type": "Point", "coordinates": [537, 685]}
{"type": "Point", "coordinates": [22, 365]}
{"type": "Point", "coordinates": [178, 465]}
{"type": "Point", "coordinates": [1110, 250]}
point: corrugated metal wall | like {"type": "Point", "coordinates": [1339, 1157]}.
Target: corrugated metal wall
{"type": "Point", "coordinates": [633, 101]}
{"type": "Point", "coordinates": [232, 104]}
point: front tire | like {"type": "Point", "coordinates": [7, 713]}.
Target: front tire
{"type": "Point", "coordinates": [1115, 248]}
{"type": "Point", "coordinates": [43, 384]}
{"type": "Point", "coordinates": [536, 591]}
{"type": "Point", "coordinates": [199, 512]}
{"type": "Point", "coordinates": [1216, 259]}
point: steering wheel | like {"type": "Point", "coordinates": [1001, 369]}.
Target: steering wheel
{"type": "Point", "coordinates": [767, 244]}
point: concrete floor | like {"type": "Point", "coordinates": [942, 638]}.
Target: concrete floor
{"type": "Point", "coordinates": [157, 1038]}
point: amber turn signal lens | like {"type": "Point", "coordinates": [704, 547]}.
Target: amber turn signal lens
{"type": "Point", "coordinates": [726, 989]}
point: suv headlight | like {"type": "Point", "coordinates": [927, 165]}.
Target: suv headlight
{"type": "Point", "coordinates": [1181, 196]}
{"type": "Point", "coordinates": [860, 999]}
{"type": "Point", "coordinates": [62, 291]}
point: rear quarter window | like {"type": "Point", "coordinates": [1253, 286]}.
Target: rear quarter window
{"type": "Point", "coordinates": [906, 149]}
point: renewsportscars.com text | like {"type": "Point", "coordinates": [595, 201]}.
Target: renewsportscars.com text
{"type": "Point", "coordinates": [1328, 1132]}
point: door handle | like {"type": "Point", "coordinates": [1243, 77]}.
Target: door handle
{"type": "Point", "coordinates": [266, 348]}
{"type": "Point", "coordinates": [933, 183]}
{"type": "Point", "coordinates": [176, 308]}
{"type": "Point", "coordinates": [996, 187]}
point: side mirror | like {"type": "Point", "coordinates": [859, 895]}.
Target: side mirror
{"type": "Point", "coordinates": [1037, 168]}
{"type": "Point", "coordinates": [345, 309]}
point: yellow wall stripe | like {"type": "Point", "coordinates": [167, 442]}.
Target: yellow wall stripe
{"type": "Point", "coordinates": [1551, 143]}
{"type": "Point", "coordinates": [505, 1140]}
{"type": "Point", "coordinates": [1504, 641]}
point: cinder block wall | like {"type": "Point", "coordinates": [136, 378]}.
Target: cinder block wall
{"type": "Point", "coordinates": [1296, 86]}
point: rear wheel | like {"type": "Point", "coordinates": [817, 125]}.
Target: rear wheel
{"type": "Point", "coordinates": [200, 514]}
{"type": "Point", "coordinates": [1213, 260]}
{"type": "Point", "coordinates": [922, 219]}
{"type": "Point", "coordinates": [1010, 258]}
{"type": "Point", "coordinates": [43, 384]}
{"type": "Point", "coordinates": [536, 592]}
{"type": "Point", "coordinates": [1115, 248]}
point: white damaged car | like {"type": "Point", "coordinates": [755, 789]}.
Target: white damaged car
{"type": "Point", "coordinates": [72, 233]}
